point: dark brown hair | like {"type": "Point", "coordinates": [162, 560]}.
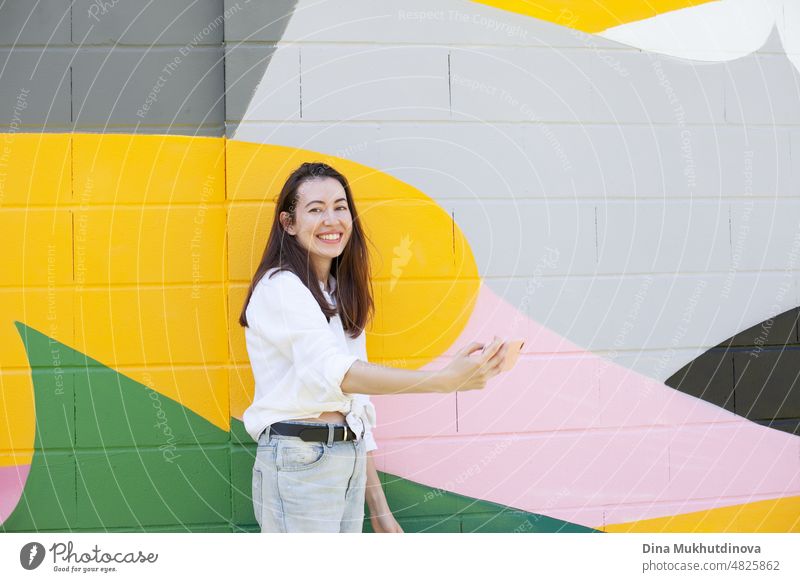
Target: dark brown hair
{"type": "Point", "coordinates": [351, 268]}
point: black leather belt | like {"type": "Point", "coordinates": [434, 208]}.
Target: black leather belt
{"type": "Point", "coordinates": [312, 432]}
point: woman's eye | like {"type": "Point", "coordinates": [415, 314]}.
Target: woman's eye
{"type": "Point", "coordinates": [338, 208]}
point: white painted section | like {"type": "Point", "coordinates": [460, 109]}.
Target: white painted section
{"type": "Point", "coordinates": [277, 96]}
{"type": "Point", "coordinates": [714, 31]}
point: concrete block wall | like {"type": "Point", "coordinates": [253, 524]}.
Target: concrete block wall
{"type": "Point", "coordinates": [631, 215]}
{"type": "Point", "coordinates": [635, 170]}
{"type": "Point", "coordinates": [114, 67]}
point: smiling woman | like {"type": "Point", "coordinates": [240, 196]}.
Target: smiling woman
{"type": "Point", "coordinates": [326, 217]}
{"type": "Point", "coordinates": [311, 415]}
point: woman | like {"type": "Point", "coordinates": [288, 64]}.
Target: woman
{"type": "Point", "coordinates": [304, 317]}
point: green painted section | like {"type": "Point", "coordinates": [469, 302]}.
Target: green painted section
{"type": "Point", "coordinates": [48, 500]}
{"type": "Point", "coordinates": [111, 410]}
{"type": "Point", "coordinates": [113, 455]}
{"type": "Point", "coordinates": [421, 508]}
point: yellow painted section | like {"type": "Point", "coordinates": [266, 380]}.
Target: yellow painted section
{"type": "Point", "coordinates": [162, 258]}
{"type": "Point", "coordinates": [152, 325]}
{"type": "Point", "coordinates": [16, 458]}
{"type": "Point", "coordinates": [162, 244]}
{"type": "Point", "coordinates": [134, 169]}
{"type": "Point", "coordinates": [238, 351]}
{"type": "Point", "coordinates": [35, 169]}
{"type": "Point", "coordinates": [591, 15]}
{"type": "Point", "coordinates": [426, 326]}
{"type": "Point", "coordinates": [248, 228]}
{"type": "Point", "coordinates": [48, 310]}
{"type": "Point", "coordinates": [240, 383]}
{"type": "Point", "coordinates": [180, 326]}
{"type": "Point", "coordinates": [37, 246]}
{"type": "Point", "coordinates": [17, 420]}
{"type": "Point", "coordinates": [425, 277]}
{"type": "Point", "coordinates": [416, 241]}
{"type": "Point", "coordinates": [769, 516]}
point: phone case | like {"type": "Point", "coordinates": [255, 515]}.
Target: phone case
{"type": "Point", "coordinates": [514, 349]}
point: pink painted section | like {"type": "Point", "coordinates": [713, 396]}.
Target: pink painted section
{"type": "Point", "coordinates": [12, 482]}
{"type": "Point", "coordinates": [419, 415]}
{"type": "Point", "coordinates": [574, 436]}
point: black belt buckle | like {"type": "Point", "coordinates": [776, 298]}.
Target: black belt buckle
{"type": "Point", "coordinates": [325, 434]}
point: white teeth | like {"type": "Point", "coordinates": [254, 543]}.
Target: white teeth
{"type": "Point", "coordinates": [329, 236]}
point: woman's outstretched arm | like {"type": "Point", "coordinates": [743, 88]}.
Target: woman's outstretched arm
{"type": "Point", "coordinates": [463, 373]}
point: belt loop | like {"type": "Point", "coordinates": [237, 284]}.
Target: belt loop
{"type": "Point", "coordinates": [330, 434]}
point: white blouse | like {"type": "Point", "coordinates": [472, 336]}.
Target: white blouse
{"type": "Point", "coordinates": [299, 358]}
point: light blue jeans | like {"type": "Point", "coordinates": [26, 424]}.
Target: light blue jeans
{"type": "Point", "coordinates": [301, 486]}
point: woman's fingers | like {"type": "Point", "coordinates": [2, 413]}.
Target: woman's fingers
{"type": "Point", "coordinates": [496, 362]}
{"type": "Point", "coordinates": [498, 355]}
{"type": "Point", "coordinates": [491, 350]}
{"type": "Point", "coordinates": [467, 350]}
{"type": "Point", "coordinates": [475, 372]}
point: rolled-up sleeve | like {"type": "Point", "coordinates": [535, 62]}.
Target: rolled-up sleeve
{"type": "Point", "coordinates": [366, 410]}
{"type": "Point", "coordinates": [283, 310]}
{"type": "Point", "coordinates": [369, 440]}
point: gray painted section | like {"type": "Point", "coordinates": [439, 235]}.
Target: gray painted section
{"type": "Point", "coordinates": [578, 85]}
{"type": "Point", "coordinates": [34, 89]}
{"type": "Point", "coordinates": [374, 83]}
{"type": "Point", "coordinates": [244, 69]}
{"type": "Point", "coordinates": [672, 317]}
{"type": "Point", "coordinates": [762, 89]}
{"type": "Point", "coordinates": [46, 22]}
{"type": "Point", "coordinates": [795, 151]}
{"type": "Point", "coordinates": [527, 238]}
{"type": "Point", "coordinates": [444, 22]}
{"type": "Point", "coordinates": [673, 221]}
{"type": "Point", "coordinates": [144, 22]}
{"type": "Point", "coordinates": [193, 131]}
{"type": "Point", "coordinates": [72, 84]}
{"type": "Point", "coordinates": [246, 60]}
{"type": "Point", "coordinates": [360, 142]}
{"type": "Point", "coordinates": [259, 20]}
{"type": "Point", "coordinates": [148, 87]}
{"type": "Point", "coordinates": [773, 44]}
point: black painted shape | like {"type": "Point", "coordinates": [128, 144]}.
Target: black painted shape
{"type": "Point", "coordinates": [755, 374]}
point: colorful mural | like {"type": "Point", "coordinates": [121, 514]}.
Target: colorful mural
{"type": "Point", "coordinates": [539, 172]}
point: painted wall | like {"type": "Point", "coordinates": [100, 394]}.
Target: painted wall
{"type": "Point", "coordinates": [620, 194]}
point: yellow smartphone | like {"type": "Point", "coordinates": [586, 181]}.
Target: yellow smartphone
{"type": "Point", "coordinates": [512, 354]}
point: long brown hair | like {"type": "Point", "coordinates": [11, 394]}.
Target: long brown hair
{"type": "Point", "coordinates": [354, 302]}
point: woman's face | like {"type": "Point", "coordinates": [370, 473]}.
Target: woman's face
{"type": "Point", "coordinates": [321, 210]}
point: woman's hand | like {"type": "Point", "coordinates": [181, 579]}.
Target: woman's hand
{"type": "Point", "coordinates": [472, 373]}
{"type": "Point", "coordinates": [385, 523]}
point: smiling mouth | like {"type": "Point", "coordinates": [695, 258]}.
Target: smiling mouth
{"type": "Point", "coordinates": [329, 238]}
